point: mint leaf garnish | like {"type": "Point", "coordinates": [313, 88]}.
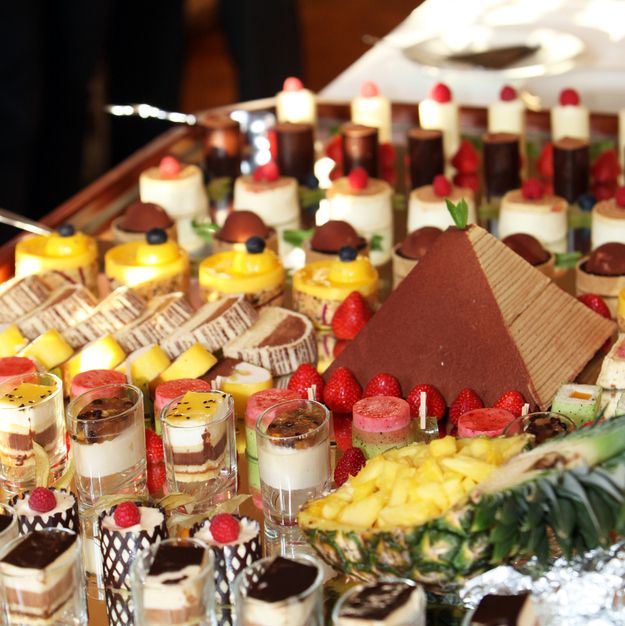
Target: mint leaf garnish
{"type": "Point", "coordinates": [375, 245]}
{"type": "Point", "coordinates": [205, 230]}
{"type": "Point", "coordinates": [297, 237]}
{"type": "Point", "coordinates": [459, 212]}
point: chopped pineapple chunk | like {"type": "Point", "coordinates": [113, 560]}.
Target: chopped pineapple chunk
{"type": "Point", "coordinates": [443, 447]}
{"type": "Point", "coordinates": [362, 513]}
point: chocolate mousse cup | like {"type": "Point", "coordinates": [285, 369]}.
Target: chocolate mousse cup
{"type": "Point", "coordinates": [329, 238]}
{"type": "Point", "coordinates": [138, 219]}
{"type": "Point", "coordinates": [238, 227]}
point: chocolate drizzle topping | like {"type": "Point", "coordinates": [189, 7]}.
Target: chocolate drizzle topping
{"type": "Point", "coordinates": [283, 579]}
{"type": "Point", "coordinates": [173, 558]}
{"type": "Point", "coordinates": [38, 549]}
{"type": "Point", "coordinates": [377, 601]}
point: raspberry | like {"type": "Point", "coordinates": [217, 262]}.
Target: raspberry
{"type": "Point", "coordinates": [41, 500]}
{"type": "Point", "coordinates": [358, 178]}
{"type": "Point", "coordinates": [369, 89]}
{"type": "Point", "coordinates": [292, 83]}
{"type": "Point", "coordinates": [352, 461]}
{"type": "Point", "coordinates": [169, 167]}
{"type": "Point", "coordinates": [225, 528]}
{"type": "Point", "coordinates": [127, 514]}
{"type": "Point", "coordinates": [153, 447]}
{"type": "Point", "coordinates": [569, 97]}
{"type": "Point", "coordinates": [440, 93]}
{"type": "Point", "coordinates": [266, 173]}
{"type": "Point", "coordinates": [532, 189]}
{"type": "Point", "coordinates": [620, 197]}
{"type": "Point", "coordinates": [441, 186]}
{"type": "Point", "coordinates": [508, 93]}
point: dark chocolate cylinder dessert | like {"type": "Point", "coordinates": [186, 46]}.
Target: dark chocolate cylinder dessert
{"type": "Point", "coordinates": [360, 148]}
{"type": "Point", "coordinates": [571, 168]}
{"type": "Point", "coordinates": [425, 151]}
{"type": "Point", "coordinates": [502, 163]}
{"type": "Point", "coordinates": [222, 146]}
{"type": "Point", "coordinates": [296, 150]}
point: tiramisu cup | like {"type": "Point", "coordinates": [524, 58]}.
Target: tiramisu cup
{"type": "Point", "coordinates": [31, 411]}
{"type": "Point", "coordinates": [293, 441]}
{"type": "Point", "coordinates": [199, 441]}
{"type": "Point", "coordinates": [107, 430]}
{"type": "Point", "coordinates": [41, 579]}
{"type": "Point", "coordinates": [46, 508]}
{"type": "Point", "coordinates": [280, 592]}
{"type": "Point", "coordinates": [8, 525]}
{"type": "Point", "coordinates": [172, 584]}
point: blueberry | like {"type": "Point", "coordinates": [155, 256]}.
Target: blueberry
{"type": "Point", "coordinates": [255, 245]}
{"type": "Point", "coordinates": [311, 181]}
{"type": "Point", "coordinates": [347, 253]}
{"type": "Point", "coordinates": [156, 236]}
{"type": "Point", "coordinates": [66, 230]}
{"type": "Point", "coordinates": [586, 201]}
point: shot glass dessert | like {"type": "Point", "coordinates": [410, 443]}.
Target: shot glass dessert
{"type": "Point", "coordinates": [293, 442]}
{"type": "Point", "coordinates": [125, 530]}
{"type": "Point", "coordinates": [41, 579]}
{"type": "Point", "coordinates": [381, 423]}
{"type": "Point", "coordinates": [46, 508]}
{"type": "Point", "coordinates": [8, 525]}
{"type": "Point", "coordinates": [235, 544]}
{"type": "Point", "coordinates": [543, 425]}
{"type": "Point", "coordinates": [392, 601]}
{"type": "Point", "coordinates": [199, 442]}
{"type": "Point", "coordinates": [280, 592]}
{"type": "Point", "coordinates": [31, 411]}
{"type": "Point", "coordinates": [172, 583]}
{"type": "Point", "coordinates": [581, 403]}
{"type": "Point", "coordinates": [107, 431]}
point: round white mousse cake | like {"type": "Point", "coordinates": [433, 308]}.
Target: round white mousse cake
{"type": "Point", "coordinates": [608, 223]}
{"type": "Point", "coordinates": [426, 208]}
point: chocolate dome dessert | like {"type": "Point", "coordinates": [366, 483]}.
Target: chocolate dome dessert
{"type": "Point", "coordinates": [241, 226]}
{"type": "Point", "coordinates": [603, 273]}
{"type": "Point", "coordinates": [418, 242]}
{"type": "Point", "coordinates": [527, 247]}
{"type": "Point", "coordinates": [140, 217]}
{"type": "Point", "coordinates": [330, 237]}
{"type": "Point", "coordinates": [607, 260]}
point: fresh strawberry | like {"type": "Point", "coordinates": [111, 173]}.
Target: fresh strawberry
{"type": "Point", "coordinates": [267, 173]}
{"type": "Point", "coordinates": [358, 178]}
{"type": "Point", "coordinates": [156, 478]}
{"type": "Point", "coordinates": [369, 89]}
{"type": "Point", "coordinates": [441, 186]}
{"type": "Point", "coordinates": [387, 156]}
{"type": "Point", "coordinates": [467, 400]}
{"type": "Point", "coordinates": [334, 149]}
{"type": "Point", "coordinates": [435, 405]}
{"type": "Point", "coordinates": [532, 189]}
{"type": "Point", "coordinates": [512, 401]}
{"type": "Point", "coordinates": [225, 528]}
{"type": "Point", "coordinates": [351, 316]}
{"type": "Point", "coordinates": [468, 180]}
{"type": "Point", "coordinates": [596, 303]}
{"type": "Point", "coordinates": [339, 346]}
{"type": "Point", "coordinates": [604, 191]}
{"type": "Point", "coordinates": [342, 430]}
{"type": "Point", "coordinates": [382, 385]}
{"type": "Point", "coordinates": [466, 160]}
{"type": "Point", "coordinates": [569, 97]}
{"type": "Point", "coordinates": [441, 93]}
{"type": "Point", "coordinates": [127, 514]}
{"type": "Point", "coordinates": [544, 164]}
{"type": "Point", "coordinates": [153, 447]}
{"type": "Point", "coordinates": [41, 500]}
{"type": "Point", "coordinates": [620, 197]}
{"type": "Point", "coordinates": [272, 138]}
{"type": "Point", "coordinates": [605, 168]}
{"type": "Point", "coordinates": [352, 461]}
{"type": "Point", "coordinates": [508, 93]}
{"type": "Point", "coordinates": [305, 377]}
{"type": "Point", "coordinates": [342, 391]}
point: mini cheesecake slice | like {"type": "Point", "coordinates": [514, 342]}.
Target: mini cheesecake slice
{"type": "Point", "coordinates": [581, 403]}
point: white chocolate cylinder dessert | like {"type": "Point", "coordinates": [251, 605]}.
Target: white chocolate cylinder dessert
{"type": "Point", "coordinates": [608, 223]}
{"type": "Point", "coordinates": [372, 109]}
{"type": "Point", "coordinates": [296, 104]}
{"type": "Point", "coordinates": [427, 208]}
{"type": "Point", "coordinates": [545, 218]}
{"type": "Point", "coordinates": [570, 118]}
{"type": "Point", "coordinates": [440, 112]}
{"type": "Point", "coordinates": [603, 273]}
{"type": "Point", "coordinates": [181, 194]}
{"type": "Point", "coordinates": [369, 210]}
{"type": "Point", "coordinates": [507, 115]}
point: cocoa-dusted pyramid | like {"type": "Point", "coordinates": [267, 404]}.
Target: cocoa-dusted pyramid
{"type": "Point", "coordinates": [475, 314]}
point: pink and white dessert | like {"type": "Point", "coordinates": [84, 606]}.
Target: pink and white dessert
{"type": "Point", "coordinates": [46, 508]}
{"type": "Point", "coordinates": [507, 115]}
{"type": "Point", "coordinates": [570, 118]}
{"type": "Point", "coordinates": [295, 103]}
{"type": "Point", "coordinates": [439, 112]}
{"type": "Point", "coordinates": [371, 108]}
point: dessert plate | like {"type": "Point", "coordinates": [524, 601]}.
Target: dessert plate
{"type": "Point", "coordinates": [538, 51]}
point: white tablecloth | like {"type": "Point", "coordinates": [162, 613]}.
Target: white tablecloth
{"type": "Point", "coordinates": [599, 75]}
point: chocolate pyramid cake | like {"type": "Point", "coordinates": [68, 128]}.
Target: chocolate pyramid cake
{"type": "Point", "coordinates": [475, 314]}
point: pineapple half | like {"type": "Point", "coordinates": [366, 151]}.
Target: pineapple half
{"type": "Point", "coordinates": [571, 488]}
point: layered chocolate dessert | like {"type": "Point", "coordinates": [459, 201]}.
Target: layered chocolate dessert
{"type": "Point", "coordinates": [329, 238]}
{"type": "Point", "coordinates": [46, 508]}
{"type": "Point", "coordinates": [513, 610]}
{"type": "Point", "coordinates": [275, 598]}
{"type": "Point", "coordinates": [138, 219]}
{"type": "Point", "coordinates": [296, 150]}
{"type": "Point", "coordinates": [239, 227]}
{"type": "Point", "coordinates": [360, 148]}
{"type": "Point", "coordinates": [603, 273]}
{"type": "Point", "coordinates": [411, 250]}
{"type": "Point", "coordinates": [502, 163]}
{"type": "Point", "coordinates": [571, 168]}
{"type": "Point", "coordinates": [392, 603]}
{"type": "Point", "coordinates": [41, 578]}
{"type": "Point", "coordinates": [425, 151]}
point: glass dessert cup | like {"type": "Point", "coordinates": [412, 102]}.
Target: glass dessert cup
{"type": "Point", "coordinates": [31, 411]}
{"type": "Point", "coordinates": [412, 616]}
{"type": "Point", "coordinates": [173, 596]}
{"type": "Point", "coordinates": [293, 467]}
{"type": "Point", "coordinates": [201, 457]}
{"type": "Point", "coordinates": [304, 608]}
{"type": "Point", "coordinates": [45, 588]}
{"type": "Point", "coordinates": [425, 435]}
{"type": "Point", "coordinates": [8, 525]}
{"type": "Point", "coordinates": [109, 450]}
{"type": "Point", "coordinates": [543, 425]}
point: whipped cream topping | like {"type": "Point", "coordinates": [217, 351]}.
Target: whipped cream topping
{"type": "Point", "coordinates": [249, 529]}
{"type": "Point", "coordinates": [64, 501]}
{"type": "Point", "coordinates": [151, 517]}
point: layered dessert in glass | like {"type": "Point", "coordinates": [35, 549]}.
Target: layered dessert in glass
{"type": "Point", "coordinates": [41, 579]}
{"type": "Point", "coordinates": [8, 525]}
{"type": "Point", "coordinates": [31, 412]}
{"type": "Point", "coordinates": [293, 445]}
{"type": "Point", "coordinates": [280, 592]}
{"type": "Point", "coordinates": [106, 427]}
{"type": "Point", "coordinates": [199, 442]}
{"type": "Point", "coordinates": [172, 584]}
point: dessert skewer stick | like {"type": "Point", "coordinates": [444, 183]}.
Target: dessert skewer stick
{"type": "Point", "coordinates": [422, 409]}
